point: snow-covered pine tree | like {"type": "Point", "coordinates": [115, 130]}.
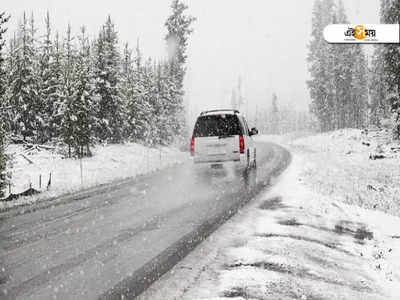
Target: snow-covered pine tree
{"type": "Point", "coordinates": [126, 64]}
{"type": "Point", "coordinates": [343, 64]}
{"type": "Point", "coordinates": [46, 78]}
{"type": "Point", "coordinates": [173, 108]}
{"type": "Point", "coordinates": [179, 29]}
{"type": "Point", "coordinates": [240, 98]}
{"type": "Point", "coordinates": [275, 118]}
{"type": "Point", "coordinates": [321, 65]}
{"type": "Point", "coordinates": [3, 81]}
{"type": "Point", "coordinates": [3, 75]}
{"type": "Point", "coordinates": [69, 116]}
{"type": "Point", "coordinates": [25, 84]}
{"type": "Point", "coordinates": [234, 100]}
{"type": "Point", "coordinates": [126, 81]}
{"type": "Point", "coordinates": [37, 102]}
{"type": "Point", "coordinates": [379, 107]}
{"type": "Point", "coordinates": [165, 95]}
{"type": "Point", "coordinates": [108, 80]}
{"type": "Point", "coordinates": [56, 96]}
{"type": "Point", "coordinates": [359, 89]}
{"type": "Point", "coordinates": [158, 130]}
{"type": "Point", "coordinates": [150, 97]}
{"type": "Point", "coordinates": [83, 104]}
{"type": "Point", "coordinates": [390, 14]}
{"type": "Point", "coordinates": [3, 159]}
{"type": "Point", "coordinates": [10, 70]}
{"type": "Point", "coordinates": [138, 107]}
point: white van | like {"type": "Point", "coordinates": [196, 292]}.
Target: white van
{"type": "Point", "coordinates": [222, 136]}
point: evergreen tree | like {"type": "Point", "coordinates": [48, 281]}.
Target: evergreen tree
{"type": "Point", "coordinates": [240, 98]}
{"type": "Point", "coordinates": [3, 74]}
{"type": "Point", "coordinates": [168, 94]}
{"type": "Point", "coordinates": [179, 29]}
{"type": "Point", "coordinates": [55, 92]}
{"type": "Point", "coordinates": [3, 158]}
{"type": "Point", "coordinates": [126, 82]}
{"type": "Point", "coordinates": [275, 126]}
{"type": "Point", "coordinates": [152, 98]}
{"type": "Point", "coordinates": [37, 102]}
{"type": "Point", "coordinates": [8, 100]}
{"type": "Point", "coordinates": [237, 99]}
{"type": "Point", "coordinates": [108, 80]}
{"type": "Point", "coordinates": [173, 105]}
{"type": "Point", "coordinates": [138, 106]}
{"type": "Point", "coordinates": [320, 52]}
{"type": "Point", "coordinates": [234, 100]}
{"type": "Point", "coordinates": [379, 107]}
{"type": "Point", "coordinates": [165, 94]}
{"type": "Point", "coordinates": [69, 116]}
{"type": "Point", "coordinates": [359, 88]}
{"type": "Point", "coordinates": [25, 98]}
{"type": "Point", "coordinates": [83, 105]}
{"type": "Point", "coordinates": [390, 14]}
{"type": "Point", "coordinates": [343, 64]}
{"type": "Point", "coordinates": [3, 81]}
{"type": "Point", "coordinates": [46, 81]}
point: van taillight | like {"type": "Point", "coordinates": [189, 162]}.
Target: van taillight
{"type": "Point", "coordinates": [192, 147]}
{"type": "Point", "coordinates": [241, 144]}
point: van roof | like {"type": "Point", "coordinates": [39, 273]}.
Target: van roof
{"type": "Point", "coordinates": [219, 111]}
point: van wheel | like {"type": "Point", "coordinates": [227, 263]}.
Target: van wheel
{"type": "Point", "coordinates": [246, 169]}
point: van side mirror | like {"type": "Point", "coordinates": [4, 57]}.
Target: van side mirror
{"type": "Point", "coordinates": [253, 131]}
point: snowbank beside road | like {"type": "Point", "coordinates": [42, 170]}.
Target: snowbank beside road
{"type": "Point", "coordinates": [339, 165]}
{"type": "Point", "coordinates": [109, 163]}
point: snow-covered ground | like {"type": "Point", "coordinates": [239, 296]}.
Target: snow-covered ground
{"type": "Point", "coordinates": [109, 163]}
{"type": "Point", "coordinates": [319, 233]}
{"type": "Point", "coordinates": [340, 165]}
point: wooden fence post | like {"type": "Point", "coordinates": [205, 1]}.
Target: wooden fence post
{"type": "Point", "coordinates": [49, 182]}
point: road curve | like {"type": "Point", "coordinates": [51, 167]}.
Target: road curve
{"type": "Point", "coordinates": [117, 240]}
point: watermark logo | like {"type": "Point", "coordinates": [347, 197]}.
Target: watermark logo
{"type": "Point", "coordinates": [358, 34]}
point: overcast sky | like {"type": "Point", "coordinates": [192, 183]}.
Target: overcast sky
{"type": "Point", "coordinates": [263, 41]}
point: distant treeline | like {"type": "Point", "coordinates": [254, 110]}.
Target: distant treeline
{"type": "Point", "coordinates": [273, 117]}
{"type": "Point", "coordinates": [283, 119]}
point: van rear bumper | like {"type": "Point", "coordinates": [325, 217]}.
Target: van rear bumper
{"type": "Point", "coordinates": [239, 162]}
{"type": "Point", "coordinates": [212, 161]}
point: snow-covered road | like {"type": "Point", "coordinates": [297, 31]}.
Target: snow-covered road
{"type": "Point", "coordinates": [122, 239]}
{"type": "Point", "coordinates": [292, 242]}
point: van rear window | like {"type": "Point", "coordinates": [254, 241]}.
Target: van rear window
{"type": "Point", "coordinates": [217, 125]}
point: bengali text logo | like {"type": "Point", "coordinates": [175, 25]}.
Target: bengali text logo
{"type": "Point", "coordinates": [361, 33]}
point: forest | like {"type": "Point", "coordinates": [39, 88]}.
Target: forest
{"type": "Point", "coordinates": [76, 91]}
{"type": "Point", "coordinates": [347, 88]}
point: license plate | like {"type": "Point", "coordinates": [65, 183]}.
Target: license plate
{"type": "Point", "coordinates": [216, 152]}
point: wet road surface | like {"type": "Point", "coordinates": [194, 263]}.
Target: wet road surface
{"type": "Point", "coordinates": [117, 241]}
